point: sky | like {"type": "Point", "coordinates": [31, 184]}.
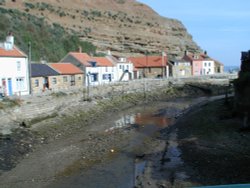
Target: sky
{"type": "Point", "coordinates": [221, 27]}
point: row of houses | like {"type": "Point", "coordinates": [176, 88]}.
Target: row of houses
{"type": "Point", "coordinates": [18, 76]}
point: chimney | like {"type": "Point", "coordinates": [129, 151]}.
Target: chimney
{"type": "Point", "coordinates": [80, 49]}
{"type": "Point", "coordinates": [9, 43]}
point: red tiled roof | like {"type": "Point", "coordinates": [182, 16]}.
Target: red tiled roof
{"type": "Point", "coordinates": [65, 68]}
{"type": "Point", "coordinates": [196, 57]}
{"type": "Point", "coordinates": [81, 57]}
{"type": "Point", "coordinates": [103, 62]}
{"type": "Point", "coordinates": [15, 52]}
{"type": "Point", "coordinates": [148, 61]}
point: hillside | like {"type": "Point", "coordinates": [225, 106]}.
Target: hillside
{"type": "Point", "coordinates": [125, 26]}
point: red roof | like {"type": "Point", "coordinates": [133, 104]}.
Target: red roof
{"type": "Point", "coordinates": [65, 68]}
{"type": "Point", "coordinates": [15, 52]}
{"type": "Point", "coordinates": [148, 61]}
{"type": "Point", "coordinates": [81, 57]}
{"type": "Point", "coordinates": [85, 59]}
{"type": "Point", "coordinates": [196, 57]}
{"type": "Point", "coordinates": [103, 62]}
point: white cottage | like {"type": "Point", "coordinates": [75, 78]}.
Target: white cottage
{"type": "Point", "coordinates": [123, 68]}
{"type": "Point", "coordinates": [97, 70]}
{"type": "Point", "coordinates": [14, 70]}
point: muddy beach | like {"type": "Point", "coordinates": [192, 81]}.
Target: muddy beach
{"type": "Point", "coordinates": [124, 136]}
{"type": "Point", "coordinates": [149, 145]}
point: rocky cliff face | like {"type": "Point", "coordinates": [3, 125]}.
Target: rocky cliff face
{"type": "Point", "coordinates": [123, 26]}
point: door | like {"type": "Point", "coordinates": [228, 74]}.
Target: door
{"type": "Point", "coordinates": [4, 87]}
{"type": "Point", "coordinates": [10, 86]}
{"type": "Point", "coordinates": [72, 80]}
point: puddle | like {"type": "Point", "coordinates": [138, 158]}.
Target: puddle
{"type": "Point", "coordinates": [123, 169]}
{"type": "Point", "coordinates": [173, 163]}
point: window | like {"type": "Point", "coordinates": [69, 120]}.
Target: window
{"type": "Point", "coordinates": [120, 66]}
{"type": "Point", "coordinates": [36, 83]}
{"type": "Point", "coordinates": [209, 64]}
{"type": "Point", "coordinates": [106, 77]}
{"type": "Point", "coordinates": [65, 79]}
{"type": "Point", "coordinates": [20, 86]}
{"type": "Point", "coordinates": [127, 67]}
{"type": "Point", "coordinates": [205, 64]}
{"type": "Point", "coordinates": [72, 80]}
{"type": "Point", "coordinates": [54, 81]}
{"type": "Point", "coordinates": [106, 69]}
{"type": "Point", "coordinates": [18, 66]}
{"type": "Point", "coordinates": [94, 77]}
{"type": "Point", "coordinates": [79, 78]}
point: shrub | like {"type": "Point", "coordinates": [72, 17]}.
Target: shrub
{"type": "Point", "coordinates": [2, 2]}
{"type": "Point", "coordinates": [29, 5]}
{"type": "Point", "coordinates": [51, 42]}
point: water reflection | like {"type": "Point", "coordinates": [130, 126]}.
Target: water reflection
{"type": "Point", "coordinates": [149, 119]}
{"type": "Point", "coordinates": [123, 169]}
{"type": "Point", "coordinates": [141, 119]}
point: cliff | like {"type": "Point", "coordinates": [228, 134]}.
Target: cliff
{"type": "Point", "coordinates": [123, 26]}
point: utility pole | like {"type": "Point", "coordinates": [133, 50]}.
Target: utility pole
{"type": "Point", "coordinates": [29, 63]}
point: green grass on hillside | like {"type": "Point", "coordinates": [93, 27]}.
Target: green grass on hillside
{"type": "Point", "coordinates": [48, 42]}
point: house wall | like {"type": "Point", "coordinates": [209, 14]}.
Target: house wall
{"type": "Point", "coordinates": [56, 83]}
{"type": "Point", "coordinates": [72, 60]}
{"type": "Point", "coordinates": [37, 88]}
{"type": "Point", "coordinates": [66, 81]}
{"type": "Point", "coordinates": [207, 67]}
{"type": "Point", "coordinates": [120, 68]}
{"type": "Point", "coordinates": [100, 75]}
{"type": "Point", "coordinates": [152, 72]}
{"type": "Point", "coordinates": [14, 76]}
{"type": "Point", "coordinates": [197, 68]}
{"type": "Point", "coordinates": [181, 71]}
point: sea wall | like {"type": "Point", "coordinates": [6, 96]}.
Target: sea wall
{"type": "Point", "coordinates": [34, 108]}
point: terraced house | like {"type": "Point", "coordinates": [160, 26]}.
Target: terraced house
{"type": "Point", "coordinates": [43, 78]}
{"type": "Point", "coordinates": [151, 66]}
{"type": "Point", "coordinates": [14, 69]}
{"type": "Point", "coordinates": [202, 64]}
{"type": "Point", "coordinates": [96, 70]}
{"type": "Point", "coordinates": [70, 76]}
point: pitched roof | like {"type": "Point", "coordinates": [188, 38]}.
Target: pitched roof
{"type": "Point", "coordinates": [15, 52]}
{"type": "Point", "coordinates": [86, 60]}
{"type": "Point", "coordinates": [103, 62]}
{"type": "Point", "coordinates": [148, 61]}
{"type": "Point", "coordinates": [65, 68]}
{"type": "Point", "coordinates": [83, 58]}
{"type": "Point", "coordinates": [41, 70]}
{"type": "Point", "coordinates": [196, 57]}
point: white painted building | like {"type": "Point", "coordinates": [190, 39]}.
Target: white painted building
{"type": "Point", "coordinates": [14, 70]}
{"type": "Point", "coordinates": [208, 67]}
{"type": "Point", "coordinates": [123, 68]}
{"type": "Point", "coordinates": [101, 70]}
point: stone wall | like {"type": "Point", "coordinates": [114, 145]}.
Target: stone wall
{"type": "Point", "coordinates": [48, 103]}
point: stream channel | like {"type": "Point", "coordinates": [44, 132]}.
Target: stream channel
{"type": "Point", "coordinates": [138, 129]}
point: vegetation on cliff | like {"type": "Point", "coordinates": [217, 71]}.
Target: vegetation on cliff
{"type": "Point", "coordinates": [48, 42]}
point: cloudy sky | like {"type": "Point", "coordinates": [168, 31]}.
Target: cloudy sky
{"type": "Point", "coordinates": [221, 27]}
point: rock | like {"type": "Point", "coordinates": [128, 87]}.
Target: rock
{"type": "Point", "coordinates": [127, 27]}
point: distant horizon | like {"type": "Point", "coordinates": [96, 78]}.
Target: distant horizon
{"type": "Point", "coordinates": [221, 28]}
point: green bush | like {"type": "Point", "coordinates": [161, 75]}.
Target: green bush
{"type": "Point", "coordinates": [49, 42]}
{"type": "Point", "coordinates": [29, 5]}
{"type": "Point", "coordinates": [2, 2]}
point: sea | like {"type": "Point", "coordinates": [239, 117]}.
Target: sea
{"type": "Point", "coordinates": [231, 69]}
